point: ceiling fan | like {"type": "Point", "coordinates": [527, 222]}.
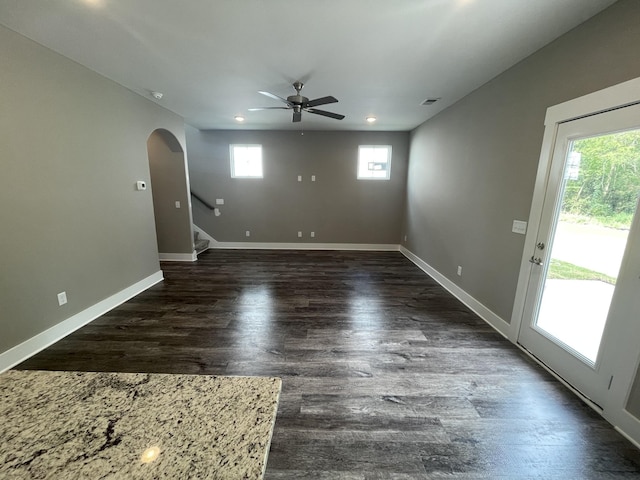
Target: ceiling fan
{"type": "Point", "coordinates": [298, 103]}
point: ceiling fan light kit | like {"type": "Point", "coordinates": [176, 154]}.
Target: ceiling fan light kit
{"type": "Point", "coordinates": [299, 103]}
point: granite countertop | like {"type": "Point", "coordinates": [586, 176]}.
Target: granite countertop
{"type": "Point", "coordinates": [135, 426]}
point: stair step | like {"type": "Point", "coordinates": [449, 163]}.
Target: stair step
{"type": "Point", "coordinates": [201, 245]}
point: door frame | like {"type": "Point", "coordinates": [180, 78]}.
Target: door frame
{"type": "Point", "coordinates": [618, 96]}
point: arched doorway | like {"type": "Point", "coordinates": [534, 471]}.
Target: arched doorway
{"type": "Point", "coordinates": [171, 200]}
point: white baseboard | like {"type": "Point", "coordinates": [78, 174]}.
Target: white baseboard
{"type": "Point", "coordinates": [178, 257]}
{"type": "Point", "coordinates": [378, 247]}
{"type": "Point", "coordinates": [499, 324]}
{"type": "Point", "coordinates": [30, 347]}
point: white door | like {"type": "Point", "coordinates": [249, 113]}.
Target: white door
{"type": "Point", "coordinates": [574, 291]}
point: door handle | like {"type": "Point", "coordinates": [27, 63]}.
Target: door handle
{"type": "Point", "coordinates": [535, 261]}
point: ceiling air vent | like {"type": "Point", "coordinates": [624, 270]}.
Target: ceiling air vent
{"type": "Point", "coordinates": [430, 101]}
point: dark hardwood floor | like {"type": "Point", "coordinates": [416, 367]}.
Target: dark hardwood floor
{"type": "Point", "coordinates": [385, 374]}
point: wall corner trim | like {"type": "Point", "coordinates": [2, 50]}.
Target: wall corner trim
{"type": "Point", "coordinates": [35, 344]}
{"type": "Point", "coordinates": [499, 324]}
{"type": "Point", "coordinates": [178, 257]}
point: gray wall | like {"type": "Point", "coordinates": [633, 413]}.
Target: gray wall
{"type": "Point", "coordinates": [73, 146]}
{"type": "Point", "coordinates": [337, 207]}
{"type": "Point", "coordinates": [168, 180]}
{"type": "Point", "coordinates": [472, 167]}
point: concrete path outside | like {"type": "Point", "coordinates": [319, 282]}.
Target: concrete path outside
{"type": "Point", "coordinates": [575, 312]}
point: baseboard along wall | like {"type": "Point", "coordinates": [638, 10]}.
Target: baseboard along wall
{"type": "Point", "coordinates": [30, 347]}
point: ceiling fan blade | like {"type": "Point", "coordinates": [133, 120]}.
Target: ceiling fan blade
{"type": "Point", "coordinates": [321, 101]}
{"type": "Point", "coordinates": [268, 108]}
{"type": "Point", "coordinates": [324, 113]}
{"type": "Point", "coordinates": [297, 116]}
{"type": "Point", "coordinates": [275, 97]}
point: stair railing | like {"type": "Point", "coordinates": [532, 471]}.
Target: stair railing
{"type": "Point", "coordinates": [204, 202]}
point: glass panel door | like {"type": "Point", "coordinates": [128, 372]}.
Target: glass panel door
{"type": "Point", "coordinates": [598, 198]}
{"type": "Point", "coordinates": [574, 305]}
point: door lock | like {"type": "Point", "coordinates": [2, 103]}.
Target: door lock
{"type": "Point", "coordinates": [540, 246]}
{"type": "Point", "coordinates": [535, 261]}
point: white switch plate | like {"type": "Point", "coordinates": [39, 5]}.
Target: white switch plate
{"type": "Point", "coordinates": [219, 201]}
{"type": "Point", "coordinates": [247, 233]}
{"type": "Point", "coordinates": [177, 203]}
{"type": "Point", "coordinates": [313, 178]}
{"type": "Point", "coordinates": [313, 234]}
{"type": "Point", "coordinates": [62, 298]}
{"type": "Point", "coordinates": [519, 227]}
{"type": "Point", "coordinates": [299, 178]}
{"type": "Point", "coordinates": [459, 271]}
{"type": "Point", "coordinates": [299, 234]}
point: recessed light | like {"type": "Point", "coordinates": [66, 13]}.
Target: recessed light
{"type": "Point", "coordinates": [371, 119]}
{"type": "Point", "coordinates": [157, 95]}
{"type": "Point", "coordinates": [239, 118]}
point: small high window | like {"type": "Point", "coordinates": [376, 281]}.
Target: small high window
{"type": "Point", "coordinates": [374, 162]}
{"type": "Point", "coordinates": [246, 161]}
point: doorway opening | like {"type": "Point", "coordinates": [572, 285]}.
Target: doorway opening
{"type": "Point", "coordinates": [171, 199]}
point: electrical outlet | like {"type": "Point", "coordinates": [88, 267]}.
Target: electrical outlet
{"type": "Point", "coordinates": [62, 298]}
{"type": "Point", "coordinates": [299, 178]}
{"type": "Point", "coordinates": [177, 203]}
{"type": "Point", "coordinates": [405, 238]}
{"type": "Point", "coordinates": [247, 233]}
{"type": "Point", "coordinates": [313, 234]}
{"type": "Point", "coordinates": [313, 178]}
{"type": "Point", "coordinates": [219, 201]}
{"type": "Point", "coordinates": [459, 271]}
{"type": "Point", "coordinates": [299, 234]}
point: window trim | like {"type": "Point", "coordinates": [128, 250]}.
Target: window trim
{"type": "Point", "coordinates": [389, 149]}
{"type": "Point", "coordinates": [232, 161]}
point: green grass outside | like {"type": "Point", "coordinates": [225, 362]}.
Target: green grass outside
{"type": "Point", "coordinates": [568, 271]}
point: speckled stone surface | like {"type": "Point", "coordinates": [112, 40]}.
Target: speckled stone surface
{"type": "Point", "coordinates": [98, 425]}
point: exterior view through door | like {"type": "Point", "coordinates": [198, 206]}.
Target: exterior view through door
{"type": "Point", "coordinates": [598, 197]}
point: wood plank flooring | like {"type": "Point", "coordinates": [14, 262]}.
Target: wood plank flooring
{"type": "Point", "coordinates": [385, 374]}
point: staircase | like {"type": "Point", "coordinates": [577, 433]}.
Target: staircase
{"type": "Point", "coordinates": [199, 245]}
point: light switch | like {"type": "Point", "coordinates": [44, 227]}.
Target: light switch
{"type": "Point", "coordinates": [177, 203]}
{"type": "Point", "coordinates": [313, 178]}
{"type": "Point", "coordinates": [299, 178]}
{"type": "Point", "coordinates": [519, 227]}
{"type": "Point", "coordinates": [299, 234]}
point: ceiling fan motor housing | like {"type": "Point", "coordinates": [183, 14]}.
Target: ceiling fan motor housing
{"type": "Point", "coordinates": [299, 103]}
{"type": "Point", "coordinates": [297, 99]}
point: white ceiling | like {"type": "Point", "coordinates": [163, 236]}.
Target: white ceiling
{"type": "Point", "coordinates": [378, 57]}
